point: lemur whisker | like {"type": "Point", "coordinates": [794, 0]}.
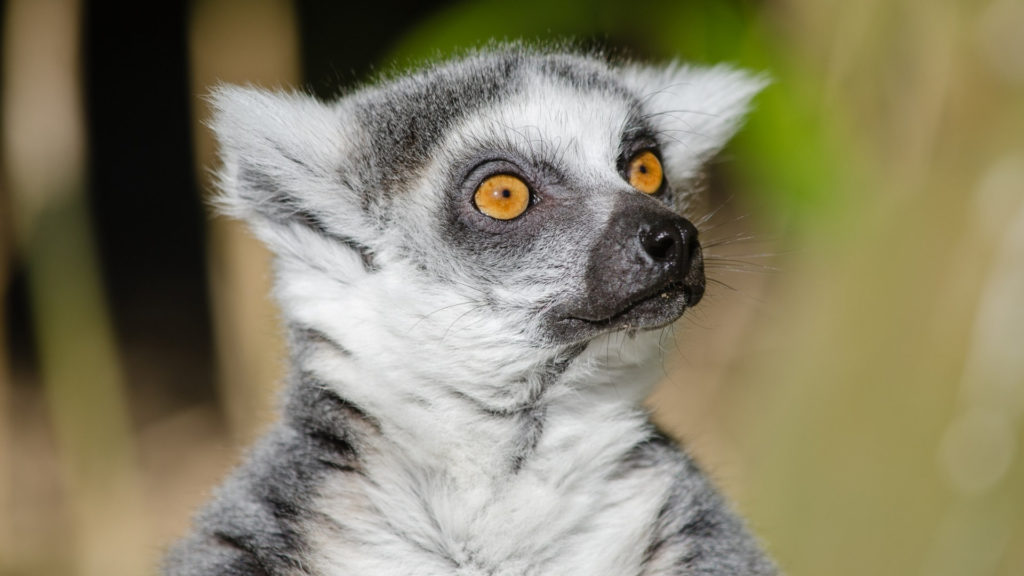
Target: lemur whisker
{"type": "Point", "coordinates": [726, 262]}
{"type": "Point", "coordinates": [739, 270]}
{"type": "Point", "coordinates": [622, 343]}
{"type": "Point", "coordinates": [725, 285]}
{"type": "Point", "coordinates": [442, 309]}
{"type": "Point", "coordinates": [753, 255]}
{"type": "Point", "coordinates": [675, 339]}
{"type": "Point", "coordinates": [738, 238]}
{"type": "Point", "coordinates": [734, 290]}
{"type": "Point", "coordinates": [667, 131]}
{"type": "Point", "coordinates": [691, 315]}
{"type": "Point", "coordinates": [677, 140]}
{"type": "Point", "coordinates": [447, 330]}
{"type": "Point", "coordinates": [663, 351]}
{"type": "Point", "coordinates": [707, 217]}
{"type": "Point", "coordinates": [734, 220]}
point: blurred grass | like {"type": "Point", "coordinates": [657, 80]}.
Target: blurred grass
{"type": "Point", "coordinates": [865, 407]}
{"type": "Point", "coordinates": [84, 391]}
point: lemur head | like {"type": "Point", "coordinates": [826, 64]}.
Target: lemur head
{"type": "Point", "coordinates": [505, 205]}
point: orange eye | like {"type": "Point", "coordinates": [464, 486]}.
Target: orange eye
{"type": "Point", "coordinates": [502, 197]}
{"type": "Point", "coordinates": [645, 172]}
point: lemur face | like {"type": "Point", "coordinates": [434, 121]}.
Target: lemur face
{"type": "Point", "coordinates": [527, 199]}
{"type": "Point", "coordinates": [559, 192]}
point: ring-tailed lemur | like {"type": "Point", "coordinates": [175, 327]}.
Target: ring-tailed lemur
{"type": "Point", "coordinates": [456, 252]}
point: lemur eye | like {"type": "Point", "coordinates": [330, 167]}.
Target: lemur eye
{"type": "Point", "coordinates": [644, 172]}
{"type": "Point", "coordinates": [502, 197]}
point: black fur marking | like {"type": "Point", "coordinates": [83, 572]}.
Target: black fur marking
{"type": "Point", "coordinates": [275, 204]}
{"type": "Point", "coordinates": [483, 407]}
{"type": "Point", "coordinates": [584, 75]}
{"type": "Point", "coordinates": [304, 334]}
{"type": "Point", "coordinates": [291, 158]}
{"type": "Point", "coordinates": [369, 262]}
{"type": "Point", "coordinates": [314, 408]}
{"type": "Point", "coordinates": [407, 120]}
{"type": "Point", "coordinates": [701, 525]}
{"type": "Point", "coordinates": [532, 430]}
{"type": "Point", "coordinates": [231, 541]}
{"type": "Point", "coordinates": [554, 370]}
{"type": "Point", "coordinates": [310, 221]}
{"type": "Point", "coordinates": [645, 454]}
{"type": "Point", "coordinates": [560, 364]}
{"type": "Point", "coordinates": [691, 557]}
{"type": "Point", "coordinates": [693, 529]}
{"type": "Point", "coordinates": [261, 191]}
{"type": "Point", "coordinates": [252, 527]}
{"type": "Point", "coordinates": [652, 550]}
{"type": "Point", "coordinates": [694, 550]}
{"type": "Point", "coordinates": [228, 556]}
{"type": "Point", "coordinates": [336, 452]}
{"type": "Point", "coordinates": [530, 414]}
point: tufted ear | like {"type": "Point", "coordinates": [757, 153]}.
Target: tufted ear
{"type": "Point", "coordinates": [697, 109]}
{"type": "Point", "coordinates": [284, 167]}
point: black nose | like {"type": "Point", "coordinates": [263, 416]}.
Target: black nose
{"type": "Point", "coordinates": [669, 241]}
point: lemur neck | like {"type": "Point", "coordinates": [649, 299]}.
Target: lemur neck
{"type": "Point", "coordinates": [490, 427]}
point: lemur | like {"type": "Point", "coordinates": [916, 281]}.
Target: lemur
{"type": "Point", "coordinates": [456, 251]}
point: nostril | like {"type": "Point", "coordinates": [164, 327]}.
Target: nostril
{"type": "Point", "coordinates": [662, 243]}
{"type": "Point", "coordinates": [660, 246]}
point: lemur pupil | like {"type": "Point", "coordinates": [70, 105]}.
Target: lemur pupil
{"type": "Point", "coordinates": [506, 193]}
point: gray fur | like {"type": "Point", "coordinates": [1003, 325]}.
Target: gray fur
{"type": "Point", "coordinates": [450, 407]}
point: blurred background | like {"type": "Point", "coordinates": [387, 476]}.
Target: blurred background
{"type": "Point", "coordinates": [854, 379]}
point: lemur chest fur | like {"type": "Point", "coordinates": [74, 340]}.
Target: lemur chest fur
{"type": "Point", "coordinates": [447, 483]}
{"type": "Point", "coordinates": [567, 508]}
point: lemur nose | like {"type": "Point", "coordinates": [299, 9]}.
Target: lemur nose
{"type": "Point", "coordinates": [669, 241]}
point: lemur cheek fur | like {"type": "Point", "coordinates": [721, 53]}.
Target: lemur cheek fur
{"type": "Point", "coordinates": [454, 405]}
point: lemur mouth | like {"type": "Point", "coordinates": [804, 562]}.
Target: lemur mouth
{"type": "Point", "coordinates": [648, 310]}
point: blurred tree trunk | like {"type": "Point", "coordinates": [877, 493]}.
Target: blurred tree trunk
{"type": "Point", "coordinates": [243, 42]}
{"type": "Point", "coordinates": [6, 261]}
{"type": "Point", "coordinates": [6, 464]}
{"type": "Point", "coordinates": [6, 446]}
{"type": "Point", "coordinates": [78, 359]}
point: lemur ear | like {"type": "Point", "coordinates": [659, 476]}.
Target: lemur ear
{"type": "Point", "coordinates": [283, 156]}
{"type": "Point", "coordinates": [696, 109]}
